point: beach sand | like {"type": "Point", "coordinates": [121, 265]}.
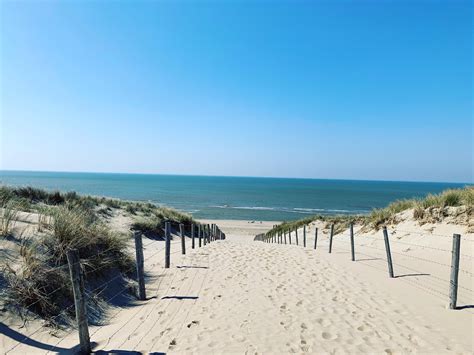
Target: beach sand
{"type": "Point", "coordinates": [243, 296]}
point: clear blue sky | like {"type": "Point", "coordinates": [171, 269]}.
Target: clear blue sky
{"type": "Point", "coordinates": [323, 89]}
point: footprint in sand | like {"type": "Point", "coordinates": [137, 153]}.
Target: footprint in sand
{"type": "Point", "coordinates": [328, 336]}
{"type": "Point", "coordinates": [323, 322]}
{"type": "Point", "coordinates": [193, 324]}
{"type": "Point", "coordinates": [239, 337]}
{"type": "Point", "coordinates": [172, 345]}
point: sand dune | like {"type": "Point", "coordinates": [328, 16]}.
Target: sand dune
{"type": "Point", "coordinates": [241, 296]}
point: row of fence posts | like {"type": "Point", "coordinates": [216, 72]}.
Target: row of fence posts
{"type": "Point", "coordinates": [205, 234]}
{"type": "Point", "coordinates": [279, 237]}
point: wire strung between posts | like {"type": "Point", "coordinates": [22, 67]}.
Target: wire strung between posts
{"type": "Point", "coordinates": [151, 327]}
{"type": "Point", "coordinates": [90, 292]}
{"type": "Point", "coordinates": [189, 310]}
{"type": "Point", "coordinates": [170, 319]}
{"type": "Point", "coordinates": [408, 268]}
{"type": "Point", "coordinates": [394, 231]}
{"type": "Point", "coordinates": [441, 282]}
{"type": "Point", "coordinates": [37, 330]}
{"type": "Point", "coordinates": [64, 267]}
{"type": "Point", "coordinates": [147, 316]}
{"type": "Point", "coordinates": [199, 293]}
{"type": "Point", "coordinates": [418, 258]}
{"type": "Point", "coordinates": [151, 311]}
{"type": "Point", "coordinates": [411, 244]}
{"type": "Point", "coordinates": [118, 294]}
{"type": "Point", "coordinates": [118, 276]}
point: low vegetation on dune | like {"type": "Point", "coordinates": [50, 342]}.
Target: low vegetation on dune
{"type": "Point", "coordinates": [39, 227]}
{"type": "Point", "coordinates": [433, 208]}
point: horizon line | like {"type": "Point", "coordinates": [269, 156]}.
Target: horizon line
{"type": "Point", "coordinates": [232, 176]}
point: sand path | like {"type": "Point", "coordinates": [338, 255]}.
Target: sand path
{"type": "Point", "coordinates": [240, 296]}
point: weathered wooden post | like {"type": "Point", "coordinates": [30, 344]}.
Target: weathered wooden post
{"type": "Point", "coordinates": [79, 300]}
{"type": "Point", "coordinates": [387, 250]}
{"type": "Point", "coordinates": [140, 266]}
{"type": "Point", "coordinates": [453, 284]}
{"type": "Point", "coordinates": [183, 241]}
{"type": "Point", "coordinates": [289, 235]}
{"type": "Point", "coordinates": [296, 235]}
{"type": "Point", "coordinates": [315, 238]}
{"type": "Point", "coordinates": [330, 238]}
{"type": "Point", "coordinates": [199, 235]}
{"type": "Point", "coordinates": [352, 241]}
{"type": "Point", "coordinates": [167, 244]}
{"type": "Point", "coordinates": [209, 236]}
{"type": "Point", "coordinates": [204, 234]}
{"type": "Point", "coordinates": [284, 235]}
{"type": "Point", "coordinates": [304, 236]}
{"type": "Point", "coordinates": [193, 232]}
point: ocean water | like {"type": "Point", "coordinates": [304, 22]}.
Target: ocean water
{"type": "Point", "coordinates": [249, 198]}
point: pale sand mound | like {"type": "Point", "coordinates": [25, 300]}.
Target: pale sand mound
{"type": "Point", "coordinates": [239, 296]}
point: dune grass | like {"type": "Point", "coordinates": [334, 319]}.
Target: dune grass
{"type": "Point", "coordinates": [8, 213]}
{"type": "Point", "coordinates": [38, 281]}
{"type": "Point", "coordinates": [43, 265]}
{"type": "Point", "coordinates": [422, 208]}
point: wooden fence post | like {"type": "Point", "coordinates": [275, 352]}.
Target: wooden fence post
{"type": "Point", "coordinates": [183, 241]}
{"type": "Point", "coordinates": [199, 235]}
{"type": "Point", "coordinates": [296, 235]}
{"type": "Point", "coordinates": [140, 266]}
{"type": "Point", "coordinates": [79, 300]}
{"type": "Point", "coordinates": [315, 238]}
{"type": "Point", "coordinates": [193, 232]}
{"type": "Point", "coordinates": [453, 285]}
{"type": "Point", "coordinates": [304, 236]}
{"type": "Point", "coordinates": [352, 241]}
{"type": "Point", "coordinates": [389, 253]}
{"type": "Point", "coordinates": [167, 244]}
{"type": "Point", "coordinates": [204, 234]}
{"type": "Point", "coordinates": [284, 235]}
{"type": "Point", "coordinates": [289, 235]}
{"type": "Point", "coordinates": [330, 238]}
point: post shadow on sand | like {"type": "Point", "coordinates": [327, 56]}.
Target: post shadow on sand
{"type": "Point", "coordinates": [369, 259]}
{"type": "Point", "coordinates": [408, 275]}
{"type": "Point", "coordinates": [119, 296]}
{"type": "Point", "coordinates": [192, 267]}
{"type": "Point", "coordinates": [24, 339]}
{"type": "Point", "coordinates": [119, 352]}
{"type": "Point", "coordinates": [180, 297]}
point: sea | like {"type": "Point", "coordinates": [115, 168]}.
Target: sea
{"type": "Point", "coordinates": [245, 198]}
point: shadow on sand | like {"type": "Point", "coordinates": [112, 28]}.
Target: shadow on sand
{"type": "Point", "coordinates": [24, 339]}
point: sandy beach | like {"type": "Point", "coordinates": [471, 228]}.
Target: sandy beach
{"type": "Point", "coordinates": [243, 296]}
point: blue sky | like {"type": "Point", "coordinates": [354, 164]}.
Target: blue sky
{"type": "Point", "coordinates": [319, 89]}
